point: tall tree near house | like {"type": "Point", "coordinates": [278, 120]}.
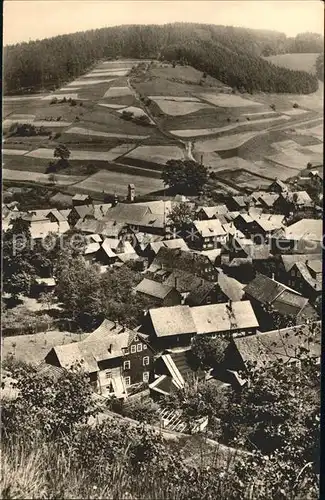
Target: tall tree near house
{"type": "Point", "coordinates": [207, 351]}
{"type": "Point", "coordinates": [18, 272]}
{"type": "Point", "coordinates": [185, 176]}
{"type": "Point", "coordinates": [181, 215]}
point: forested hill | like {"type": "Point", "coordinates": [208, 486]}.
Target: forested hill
{"type": "Point", "coordinates": [229, 54]}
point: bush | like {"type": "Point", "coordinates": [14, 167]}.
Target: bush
{"type": "Point", "coordinates": [295, 105]}
{"type": "Point", "coordinates": [54, 100]}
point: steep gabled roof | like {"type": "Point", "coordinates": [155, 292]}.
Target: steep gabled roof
{"type": "Point", "coordinates": [307, 229]}
{"type": "Point", "coordinates": [207, 228]}
{"type": "Point", "coordinates": [175, 320]}
{"type": "Point", "coordinates": [199, 293]}
{"type": "Point", "coordinates": [284, 344]}
{"type": "Point", "coordinates": [223, 318]}
{"type": "Point", "coordinates": [127, 213]}
{"type": "Point", "coordinates": [153, 288]}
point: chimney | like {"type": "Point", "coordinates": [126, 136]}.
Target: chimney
{"type": "Point", "coordinates": [273, 276]}
{"type": "Point", "coordinates": [131, 192]}
{"type": "Point", "coordinates": [109, 348]}
{"type": "Point", "coordinates": [230, 304]}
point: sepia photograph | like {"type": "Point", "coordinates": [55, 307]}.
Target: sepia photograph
{"type": "Point", "coordinates": [162, 242]}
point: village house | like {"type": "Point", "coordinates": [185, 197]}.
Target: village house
{"type": "Point", "coordinates": [172, 370]}
{"type": "Point", "coordinates": [78, 213]}
{"type": "Point", "coordinates": [176, 326]}
{"type": "Point", "coordinates": [304, 236]}
{"type": "Point", "coordinates": [287, 345]}
{"type": "Point", "coordinates": [264, 226]}
{"type": "Point", "coordinates": [206, 213]}
{"type": "Point", "coordinates": [140, 241]}
{"type": "Point", "coordinates": [153, 248]}
{"type": "Point", "coordinates": [285, 263]}
{"type": "Point", "coordinates": [304, 275]}
{"type": "Point", "coordinates": [115, 357]}
{"type": "Point", "coordinates": [113, 250]}
{"type": "Point", "coordinates": [110, 229]}
{"type": "Point", "coordinates": [277, 305]}
{"type": "Point", "coordinates": [205, 235]}
{"type": "Point", "coordinates": [293, 202]}
{"type": "Point", "coordinates": [160, 295]}
{"type": "Point", "coordinates": [81, 199]}
{"type": "Point", "coordinates": [175, 259]}
{"type": "Point", "coordinates": [278, 187]}
{"type": "Point", "coordinates": [237, 203]}
{"type": "Point", "coordinates": [45, 222]}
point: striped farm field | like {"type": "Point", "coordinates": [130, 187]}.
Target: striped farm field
{"type": "Point", "coordinates": [14, 152]}
{"type": "Point", "coordinates": [24, 175]}
{"type": "Point", "coordinates": [95, 133]}
{"type": "Point", "coordinates": [91, 82]}
{"type": "Point", "coordinates": [84, 155]}
{"type": "Point", "coordinates": [173, 98]}
{"type": "Point", "coordinates": [228, 100]}
{"type": "Point", "coordinates": [37, 123]}
{"type": "Point", "coordinates": [60, 96]}
{"type": "Point", "coordinates": [223, 143]}
{"type": "Point", "coordinates": [112, 106]}
{"type": "Point", "coordinates": [117, 182]}
{"type": "Point", "coordinates": [156, 154]}
{"type": "Point", "coordinates": [110, 72]}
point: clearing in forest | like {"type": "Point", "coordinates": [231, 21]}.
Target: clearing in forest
{"type": "Point", "coordinates": [299, 62]}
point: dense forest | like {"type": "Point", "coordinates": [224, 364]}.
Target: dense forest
{"type": "Point", "coordinates": [232, 55]}
{"type": "Point", "coordinates": [320, 67]}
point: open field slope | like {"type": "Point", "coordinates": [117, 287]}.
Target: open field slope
{"type": "Point", "coordinates": [86, 131]}
{"type": "Point", "coordinates": [156, 154]}
{"type": "Point", "coordinates": [23, 175]}
{"type": "Point", "coordinates": [117, 182]}
{"type": "Point", "coordinates": [300, 62]}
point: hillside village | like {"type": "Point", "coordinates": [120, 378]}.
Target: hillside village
{"type": "Point", "coordinates": [162, 266]}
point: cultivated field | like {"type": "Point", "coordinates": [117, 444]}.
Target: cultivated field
{"type": "Point", "coordinates": [174, 108]}
{"type": "Point", "coordinates": [118, 92]}
{"type": "Point", "coordinates": [86, 131]}
{"type": "Point", "coordinates": [117, 182]}
{"type": "Point", "coordinates": [111, 106]}
{"type": "Point", "coordinates": [109, 155]}
{"type": "Point", "coordinates": [23, 175]}
{"type": "Point", "coordinates": [222, 143]}
{"type": "Point", "coordinates": [156, 154]}
{"type": "Point", "coordinates": [137, 112]}
{"type": "Point", "coordinates": [228, 101]}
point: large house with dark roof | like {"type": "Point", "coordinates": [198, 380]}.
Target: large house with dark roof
{"type": "Point", "coordinates": [176, 326]}
{"type": "Point", "coordinates": [304, 236]}
{"type": "Point", "coordinates": [159, 294]}
{"type": "Point", "coordinates": [276, 305]}
{"type": "Point", "coordinates": [114, 356]}
{"type": "Point", "coordinates": [205, 234]}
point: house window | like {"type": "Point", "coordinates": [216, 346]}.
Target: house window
{"type": "Point", "coordinates": [126, 351]}
{"type": "Point", "coordinates": [108, 374]}
{"type": "Point", "coordinates": [126, 365]}
{"type": "Point", "coordinates": [145, 360]}
{"type": "Point", "coordinates": [139, 347]}
{"type": "Point", "coordinates": [145, 347]}
{"type": "Point", "coordinates": [127, 381]}
{"type": "Point", "coordinates": [133, 349]}
{"type": "Point", "coordinates": [145, 376]}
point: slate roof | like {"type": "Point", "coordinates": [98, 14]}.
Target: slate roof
{"type": "Point", "coordinates": [289, 260]}
{"type": "Point", "coordinates": [106, 342]}
{"type": "Point", "coordinates": [103, 228]}
{"type": "Point", "coordinates": [83, 210]}
{"type": "Point", "coordinates": [198, 293]}
{"type": "Point", "coordinates": [232, 288]}
{"type": "Point", "coordinates": [175, 258]}
{"type": "Point", "coordinates": [315, 284]}
{"type": "Point", "coordinates": [298, 197]}
{"type": "Point", "coordinates": [212, 254]}
{"type": "Point", "coordinates": [173, 243]}
{"type": "Point", "coordinates": [127, 213]}
{"type": "Point", "coordinates": [281, 344]}
{"type": "Point", "coordinates": [153, 289]}
{"type": "Point", "coordinates": [315, 265]}
{"type": "Point", "coordinates": [264, 289]}
{"type": "Point", "coordinates": [184, 282]}
{"type": "Point", "coordinates": [175, 320]}
{"type": "Point", "coordinates": [308, 229]}
{"type": "Point", "coordinates": [280, 184]}
{"type": "Point", "coordinates": [268, 198]}
{"type": "Point", "coordinates": [64, 199]}
{"type": "Point", "coordinates": [80, 197]}
{"type": "Point", "coordinates": [224, 318]}
{"type": "Point", "coordinates": [240, 200]}
{"type": "Point", "coordinates": [207, 228]}
{"type": "Point", "coordinates": [213, 211]}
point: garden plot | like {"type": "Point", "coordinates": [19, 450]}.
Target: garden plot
{"type": "Point", "coordinates": [118, 92]}
{"type": "Point", "coordinates": [180, 108]}
{"type": "Point", "coordinates": [223, 143]}
{"type": "Point", "coordinates": [228, 100]}
{"type": "Point", "coordinates": [85, 131]}
{"type": "Point", "coordinates": [173, 98]}
{"type": "Point", "coordinates": [137, 112]}
{"type": "Point", "coordinates": [294, 112]}
{"type": "Point", "coordinates": [83, 155]}
{"type": "Point", "coordinates": [156, 154]}
{"type": "Point", "coordinates": [90, 82]}
{"type": "Point", "coordinates": [25, 175]}
{"type": "Point", "coordinates": [14, 152]}
{"type": "Point", "coordinates": [112, 106]}
{"type": "Point", "coordinates": [117, 182]}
